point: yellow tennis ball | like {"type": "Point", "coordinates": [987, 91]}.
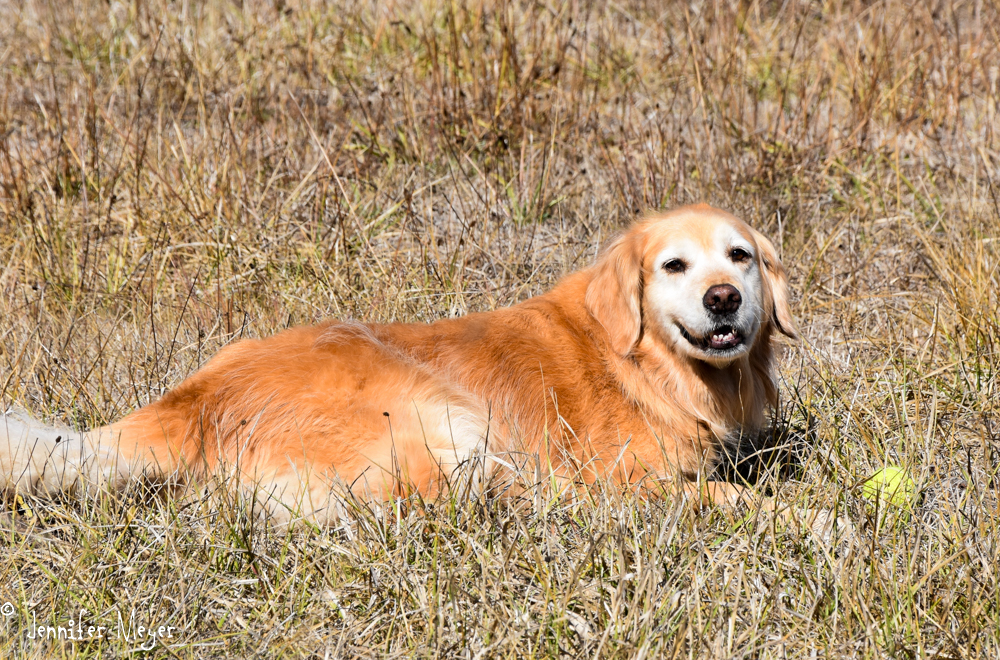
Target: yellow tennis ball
{"type": "Point", "coordinates": [892, 485]}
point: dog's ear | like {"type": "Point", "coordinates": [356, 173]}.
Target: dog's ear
{"type": "Point", "coordinates": [776, 283]}
{"type": "Point", "coordinates": [614, 293]}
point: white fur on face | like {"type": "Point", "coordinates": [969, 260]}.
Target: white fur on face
{"type": "Point", "coordinates": [676, 299]}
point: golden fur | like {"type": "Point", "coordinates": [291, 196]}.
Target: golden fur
{"type": "Point", "coordinates": [592, 377]}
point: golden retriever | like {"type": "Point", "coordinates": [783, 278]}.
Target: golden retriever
{"type": "Point", "coordinates": [638, 369]}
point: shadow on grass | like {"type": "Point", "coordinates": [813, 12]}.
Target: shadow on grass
{"type": "Point", "coordinates": [776, 453]}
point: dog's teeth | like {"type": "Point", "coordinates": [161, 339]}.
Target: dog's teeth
{"type": "Point", "coordinates": [724, 338]}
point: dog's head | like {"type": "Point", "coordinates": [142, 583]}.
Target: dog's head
{"type": "Point", "coordinates": [701, 279]}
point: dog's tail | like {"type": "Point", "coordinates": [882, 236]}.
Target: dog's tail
{"type": "Point", "coordinates": [39, 459]}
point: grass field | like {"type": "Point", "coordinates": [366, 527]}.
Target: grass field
{"type": "Point", "coordinates": [178, 175]}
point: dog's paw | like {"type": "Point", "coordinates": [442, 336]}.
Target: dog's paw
{"type": "Point", "coordinates": [824, 524]}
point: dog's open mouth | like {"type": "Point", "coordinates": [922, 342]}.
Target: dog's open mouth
{"type": "Point", "coordinates": [723, 338]}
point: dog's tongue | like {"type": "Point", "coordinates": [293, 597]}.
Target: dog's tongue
{"type": "Point", "coordinates": [725, 339]}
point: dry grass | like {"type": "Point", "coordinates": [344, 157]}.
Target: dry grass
{"type": "Point", "coordinates": [179, 175]}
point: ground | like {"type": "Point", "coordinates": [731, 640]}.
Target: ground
{"type": "Point", "coordinates": [177, 175]}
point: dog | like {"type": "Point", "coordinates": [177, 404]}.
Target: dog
{"type": "Point", "coordinates": [640, 369]}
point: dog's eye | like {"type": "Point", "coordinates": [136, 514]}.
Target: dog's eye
{"type": "Point", "coordinates": [675, 266]}
{"type": "Point", "coordinates": [739, 255]}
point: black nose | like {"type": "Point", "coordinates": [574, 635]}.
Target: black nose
{"type": "Point", "coordinates": [722, 299]}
